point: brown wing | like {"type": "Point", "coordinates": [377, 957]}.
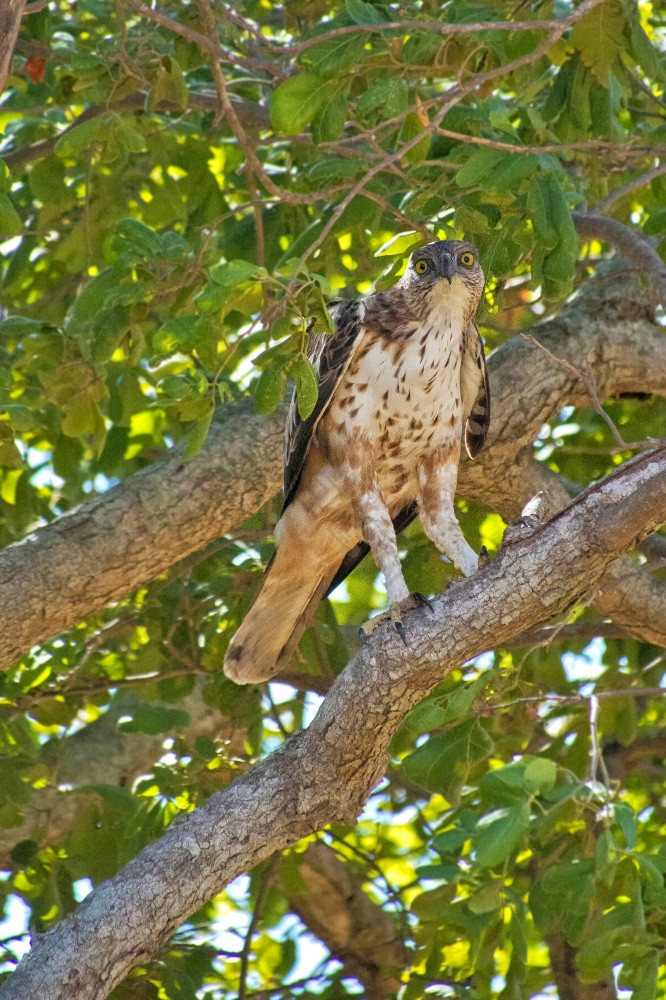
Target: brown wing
{"type": "Point", "coordinates": [474, 390]}
{"type": "Point", "coordinates": [330, 355]}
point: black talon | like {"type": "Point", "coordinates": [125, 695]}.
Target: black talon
{"type": "Point", "coordinates": [423, 599]}
{"type": "Point", "coordinates": [361, 634]}
{"type": "Point", "coordinates": [401, 632]}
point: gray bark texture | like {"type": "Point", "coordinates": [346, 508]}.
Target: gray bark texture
{"type": "Point", "coordinates": [325, 773]}
{"type": "Point", "coordinates": [109, 547]}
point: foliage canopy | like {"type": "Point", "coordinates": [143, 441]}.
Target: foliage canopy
{"type": "Point", "coordinates": [182, 190]}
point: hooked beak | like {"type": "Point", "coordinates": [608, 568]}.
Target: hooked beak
{"type": "Point", "coordinates": [448, 268]}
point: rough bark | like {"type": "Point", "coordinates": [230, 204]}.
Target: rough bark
{"type": "Point", "coordinates": [112, 545]}
{"type": "Point", "coordinates": [11, 12]}
{"type": "Point", "coordinates": [107, 548]}
{"type": "Point", "coordinates": [354, 929]}
{"type": "Point", "coordinates": [569, 986]}
{"type": "Point", "coordinates": [324, 773]}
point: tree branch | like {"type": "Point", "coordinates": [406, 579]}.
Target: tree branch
{"type": "Point", "coordinates": [354, 929]}
{"type": "Point", "coordinates": [11, 12]}
{"type": "Point", "coordinates": [128, 536]}
{"type": "Point", "coordinates": [251, 115]}
{"type": "Point", "coordinates": [633, 246]}
{"type": "Point", "coordinates": [324, 774]}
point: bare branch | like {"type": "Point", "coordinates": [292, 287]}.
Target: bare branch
{"type": "Point", "coordinates": [633, 246]}
{"type": "Point", "coordinates": [633, 185]}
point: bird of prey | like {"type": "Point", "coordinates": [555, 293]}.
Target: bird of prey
{"type": "Point", "coordinates": [402, 383]}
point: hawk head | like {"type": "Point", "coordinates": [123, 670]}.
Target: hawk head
{"type": "Point", "coordinates": [454, 262]}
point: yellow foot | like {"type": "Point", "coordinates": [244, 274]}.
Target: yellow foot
{"type": "Point", "coordinates": [394, 616]}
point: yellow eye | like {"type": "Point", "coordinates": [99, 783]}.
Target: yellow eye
{"type": "Point", "coordinates": [467, 259]}
{"type": "Point", "coordinates": [421, 266]}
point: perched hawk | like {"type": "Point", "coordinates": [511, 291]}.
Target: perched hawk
{"type": "Point", "coordinates": [401, 383]}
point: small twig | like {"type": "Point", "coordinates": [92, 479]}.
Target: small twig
{"type": "Point", "coordinates": [431, 27]}
{"type": "Point", "coordinates": [585, 375]}
{"type": "Point", "coordinates": [275, 714]}
{"type": "Point", "coordinates": [580, 699]}
{"type": "Point", "coordinates": [630, 186]}
{"type": "Point", "coordinates": [590, 145]}
{"type": "Point", "coordinates": [403, 219]}
{"type": "Point", "coordinates": [567, 632]}
{"type": "Point", "coordinates": [597, 763]}
{"type": "Point", "coordinates": [256, 916]}
{"type": "Point", "coordinates": [205, 43]}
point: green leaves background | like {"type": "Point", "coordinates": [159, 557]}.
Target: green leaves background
{"type": "Point", "coordinates": [159, 260]}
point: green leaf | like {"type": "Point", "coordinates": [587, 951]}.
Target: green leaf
{"type": "Point", "coordinates": [487, 900]}
{"type": "Point", "coordinates": [154, 719]}
{"type": "Point", "coordinates": [460, 701]}
{"type": "Point", "coordinates": [5, 178]}
{"type": "Point", "coordinates": [307, 390]}
{"type": "Point", "coordinates": [400, 244]}
{"type": "Point", "coordinates": [335, 55]}
{"type": "Point", "coordinates": [80, 138]}
{"type": "Point", "coordinates": [412, 127]}
{"type": "Point", "coordinates": [538, 207]}
{"type": "Point", "coordinates": [598, 36]}
{"type": "Point", "coordinates": [90, 301]}
{"type": "Point", "coordinates": [640, 974]}
{"type": "Point", "coordinates": [387, 95]}
{"type": "Point", "coordinates": [625, 817]}
{"type": "Point", "coordinates": [197, 435]}
{"type": "Point", "coordinates": [230, 274]}
{"type": "Point", "coordinates": [443, 762]}
{"type": "Point", "coordinates": [297, 101]}
{"type": "Point", "coordinates": [500, 833]}
{"type": "Point", "coordinates": [477, 166]}
{"type": "Point", "coordinates": [137, 238]}
{"type": "Point", "coordinates": [561, 217]}
{"type": "Point", "coordinates": [363, 13]}
{"type": "Point", "coordinates": [513, 169]}
{"type": "Point", "coordinates": [270, 388]}
{"type": "Point", "coordinates": [329, 123]}
{"type": "Point", "coordinates": [643, 50]}
{"type": "Point", "coordinates": [540, 774]}
{"type": "Point", "coordinates": [10, 220]}
{"type": "Point", "coordinates": [560, 899]}
{"type": "Point", "coordinates": [129, 137]}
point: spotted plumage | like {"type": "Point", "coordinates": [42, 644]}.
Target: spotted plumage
{"type": "Point", "coordinates": [402, 383]}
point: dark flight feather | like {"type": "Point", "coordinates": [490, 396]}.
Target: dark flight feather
{"type": "Point", "coordinates": [475, 391]}
{"type": "Point", "coordinates": [330, 355]}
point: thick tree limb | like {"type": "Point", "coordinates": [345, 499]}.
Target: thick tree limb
{"type": "Point", "coordinates": [106, 549]}
{"type": "Point", "coordinates": [112, 545]}
{"type": "Point", "coordinates": [324, 774]}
